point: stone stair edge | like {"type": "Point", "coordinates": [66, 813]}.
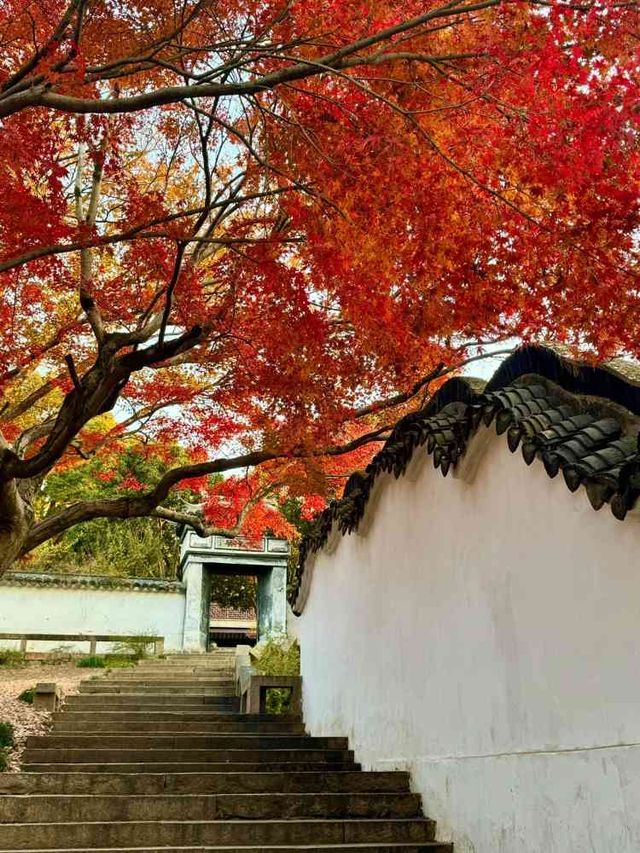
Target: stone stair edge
{"type": "Point", "coordinates": [433, 846]}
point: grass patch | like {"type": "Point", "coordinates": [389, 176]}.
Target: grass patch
{"type": "Point", "coordinates": [92, 662]}
{"type": "Point", "coordinates": [116, 661]}
{"type": "Point", "coordinates": [125, 654]}
{"type": "Point", "coordinates": [12, 657]}
{"type": "Point", "coordinates": [6, 734]}
{"type": "Point", "coordinates": [27, 695]}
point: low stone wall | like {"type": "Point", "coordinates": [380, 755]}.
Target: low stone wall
{"type": "Point", "coordinates": [76, 604]}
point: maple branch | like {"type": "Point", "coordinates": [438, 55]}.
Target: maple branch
{"type": "Point", "coordinates": [398, 399]}
{"type": "Point", "coordinates": [97, 241]}
{"type": "Point", "coordinates": [136, 506]}
{"type": "Point", "coordinates": [202, 528]}
{"type": "Point", "coordinates": [145, 503]}
{"type": "Point", "coordinates": [87, 220]}
{"type": "Point", "coordinates": [177, 267]}
{"type": "Point", "coordinates": [33, 434]}
{"type": "Point", "coordinates": [58, 34]}
{"type": "Point", "coordinates": [197, 524]}
{"type": "Point", "coordinates": [15, 372]}
{"type": "Point", "coordinates": [423, 383]}
{"type": "Point", "coordinates": [93, 394]}
{"type": "Point", "coordinates": [22, 406]}
{"type": "Point", "coordinates": [341, 59]}
{"type": "Point", "coordinates": [142, 231]}
{"type": "Point", "coordinates": [72, 372]}
{"type": "Point", "coordinates": [466, 173]}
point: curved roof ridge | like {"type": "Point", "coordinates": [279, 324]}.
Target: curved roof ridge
{"type": "Point", "coordinates": [576, 376]}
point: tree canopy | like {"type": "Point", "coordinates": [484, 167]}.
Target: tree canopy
{"type": "Point", "coordinates": [263, 230]}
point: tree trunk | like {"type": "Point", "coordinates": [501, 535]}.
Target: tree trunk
{"type": "Point", "coordinates": [14, 524]}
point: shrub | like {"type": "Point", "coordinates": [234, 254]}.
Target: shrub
{"type": "Point", "coordinates": [92, 662]}
{"type": "Point", "coordinates": [277, 701]}
{"type": "Point", "coordinates": [59, 654]}
{"type": "Point", "coordinates": [276, 658]}
{"type": "Point", "coordinates": [4, 761]}
{"type": "Point", "coordinates": [12, 657]}
{"type": "Point", "coordinates": [135, 648]}
{"type": "Point", "coordinates": [6, 734]}
{"type": "Point", "coordinates": [27, 695]}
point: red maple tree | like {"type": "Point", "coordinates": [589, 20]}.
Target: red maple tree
{"type": "Point", "coordinates": [262, 229]}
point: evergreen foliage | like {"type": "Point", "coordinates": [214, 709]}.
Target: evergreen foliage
{"type": "Point", "coordinates": [6, 734]}
{"type": "Point", "coordinates": [138, 547]}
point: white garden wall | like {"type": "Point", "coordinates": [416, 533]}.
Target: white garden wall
{"type": "Point", "coordinates": [78, 610]}
{"type": "Point", "coordinates": [483, 632]}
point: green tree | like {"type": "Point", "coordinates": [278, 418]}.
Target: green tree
{"type": "Point", "coordinates": [139, 547]}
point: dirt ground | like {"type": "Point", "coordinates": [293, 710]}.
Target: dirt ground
{"type": "Point", "coordinates": [26, 721]}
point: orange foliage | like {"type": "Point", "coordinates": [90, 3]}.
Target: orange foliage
{"type": "Point", "coordinates": [330, 237]}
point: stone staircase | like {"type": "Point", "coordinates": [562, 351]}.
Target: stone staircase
{"type": "Point", "coordinates": [158, 758]}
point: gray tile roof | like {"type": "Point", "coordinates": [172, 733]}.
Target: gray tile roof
{"type": "Point", "coordinates": [97, 582]}
{"type": "Point", "coordinates": [579, 420]}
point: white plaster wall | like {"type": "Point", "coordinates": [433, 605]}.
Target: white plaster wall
{"type": "Point", "coordinates": [484, 633]}
{"type": "Point", "coordinates": [80, 611]}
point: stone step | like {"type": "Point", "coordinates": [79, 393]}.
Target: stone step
{"type": "Point", "coordinates": [206, 661]}
{"type": "Point", "coordinates": [88, 700]}
{"type": "Point", "coordinates": [66, 808]}
{"type": "Point", "coordinates": [424, 847]}
{"type": "Point", "coordinates": [181, 666]}
{"type": "Point", "coordinates": [177, 671]}
{"type": "Point", "coordinates": [178, 678]}
{"type": "Point", "coordinates": [177, 755]}
{"type": "Point", "coordinates": [168, 688]}
{"type": "Point", "coordinates": [184, 689]}
{"type": "Point", "coordinates": [200, 664]}
{"type": "Point", "coordinates": [169, 727]}
{"type": "Point", "coordinates": [250, 741]}
{"type": "Point", "coordinates": [228, 720]}
{"type": "Point", "coordinates": [174, 672]}
{"type": "Point", "coordinates": [204, 783]}
{"type": "Point", "coordinates": [187, 706]}
{"type": "Point", "coordinates": [141, 767]}
{"type": "Point", "coordinates": [92, 835]}
{"type": "Point", "coordinates": [159, 759]}
{"type": "Point", "coordinates": [212, 654]}
{"type": "Point", "coordinates": [190, 660]}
